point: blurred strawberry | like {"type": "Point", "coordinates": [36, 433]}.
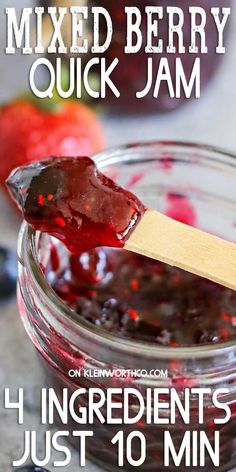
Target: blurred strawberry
{"type": "Point", "coordinates": [31, 130]}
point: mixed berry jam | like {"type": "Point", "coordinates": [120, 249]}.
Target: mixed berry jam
{"type": "Point", "coordinates": [70, 199]}
{"type": "Point", "coordinates": [138, 298]}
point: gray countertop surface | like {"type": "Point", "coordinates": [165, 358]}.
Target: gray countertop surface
{"type": "Point", "coordinates": [212, 119]}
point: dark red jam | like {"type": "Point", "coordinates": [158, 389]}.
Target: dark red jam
{"type": "Point", "coordinates": [70, 199]}
{"type": "Point", "coordinates": [136, 297]}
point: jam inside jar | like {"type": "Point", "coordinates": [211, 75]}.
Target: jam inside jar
{"type": "Point", "coordinates": [130, 76]}
{"type": "Point", "coordinates": [75, 314]}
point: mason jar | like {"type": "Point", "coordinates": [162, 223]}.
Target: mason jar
{"type": "Point", "coordinates": [66, 342]}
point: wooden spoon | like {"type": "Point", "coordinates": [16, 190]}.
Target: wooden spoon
{"type": "Point", "coordinates": [159, 237]}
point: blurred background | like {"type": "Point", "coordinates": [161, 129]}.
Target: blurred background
{"type": "Point", "coordinates": [211, 120]}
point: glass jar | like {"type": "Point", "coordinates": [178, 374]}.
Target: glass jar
{"type": "Point", "coordinates": [65, 342]}
{"type": "Point", "coordinates": [130, 76]}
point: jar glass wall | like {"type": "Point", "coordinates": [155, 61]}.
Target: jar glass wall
{"type": "Point", "coordinates": [65, 341]}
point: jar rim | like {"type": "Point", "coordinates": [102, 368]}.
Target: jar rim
{"type": "Point", "coordinates": [27, 240]}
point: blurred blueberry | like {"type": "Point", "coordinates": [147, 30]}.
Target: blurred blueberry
{"type": "Point", "coordinates": [8, 273]}
{"type": "Point", "coordinates": [31, 468]}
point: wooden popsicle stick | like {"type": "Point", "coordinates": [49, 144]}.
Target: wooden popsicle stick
{"type": "Point", "coordinates": [159, 237]}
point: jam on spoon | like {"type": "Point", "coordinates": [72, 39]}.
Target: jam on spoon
{"type": "Point", "coordinates": [70, 199]}
{"type": "Point", "coordinates": [130, 295]}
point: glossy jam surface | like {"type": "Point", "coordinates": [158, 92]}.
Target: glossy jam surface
{"type": "Point", "coordinates": [71, 200]}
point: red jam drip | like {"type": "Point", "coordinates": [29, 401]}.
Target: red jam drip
{"type": "Point", "coordinates": [179, 208]}
{"type": "Point", "coordinates": [70, 199]}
